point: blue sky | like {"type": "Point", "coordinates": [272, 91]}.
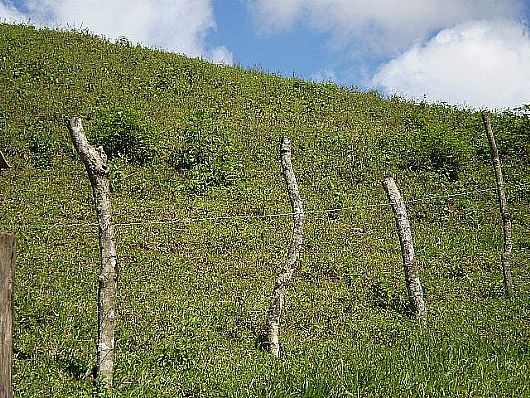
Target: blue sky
{"type": "Point", "coordinates": [300, 51]}
{"type": "Point", "coordinates": [463, 52]}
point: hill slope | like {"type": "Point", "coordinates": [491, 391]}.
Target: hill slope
{"type": "Point", "coordinates": [197, 141]}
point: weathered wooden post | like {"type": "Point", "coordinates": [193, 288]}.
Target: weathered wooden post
{"type": "Point", "coordinates": [8, 251]}
{"type": "Point", "coordinates": [95, 162]}
{"type": "Point", "coordinates": [410, 265]}
{"type": "Point", "coordinates": [284, 278]}
{"type": "Point", "coordinates": [503, 206]}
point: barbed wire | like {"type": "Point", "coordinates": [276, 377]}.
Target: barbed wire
{"type": "Point", "coordinates": [183, 220]}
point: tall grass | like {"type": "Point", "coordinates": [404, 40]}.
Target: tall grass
{"type": "Point", "coordinates": [193, 294]}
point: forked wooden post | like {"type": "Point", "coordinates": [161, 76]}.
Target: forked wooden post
{"type": "Point", "coordinates": [410, 265]}
{"type": "Point", "coordinates": [503, 206]}
{"type": "Point", "coordinates": [284, 278]}
{"type": "Point", "coordinates": [95, 162]}
{"type": "Point", "coordinates": [8, 251]}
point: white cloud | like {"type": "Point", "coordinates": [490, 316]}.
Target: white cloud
{"type": "Point", "coordinates": [325, 75]}
{"type": "Point", "coordinates": [9, 14]}
{"type": "Point", "coordinates": [382, 25]}
{"type": "Point", "coordinates": [478, 63]}
{"type": "Point", "coordinates": [466, 62]}
{"type": "Point", "coordinates": [221, 55]}
{"type": "Point", "coordinates": [173, 25]}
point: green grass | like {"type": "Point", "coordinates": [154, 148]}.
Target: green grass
{"type": "Point", "coordinates": [193, 294]}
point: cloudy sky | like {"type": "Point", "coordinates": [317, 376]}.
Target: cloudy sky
{"type": "Point", "coordinates": [463, 52]}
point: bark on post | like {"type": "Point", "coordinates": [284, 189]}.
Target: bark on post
{"type": "Point", "coordinates": [95, 162]}
{"type": "Point", "coordinates": [503, 205]}
{"type": "Point", "coordinates": [284, 278]}
{"type": "Point", "coordinates": [8, 250]}
{"type": "Point", "coordinates": [410, 265]}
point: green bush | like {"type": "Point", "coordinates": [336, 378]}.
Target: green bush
{"type": "Point", "coordinates": [435, 149]}
{"type": "Point", "coordinates": [383, 296]}
{"type": "Point", "coordinates": [123, 133]}
{"type": "Point", "coordinates": [3, 131]}
{"type": "Point", "coordinates": [512, 132]}
{"type": "Point", "coordinates": [427, 146]}
{"type": "Point", "coordinates": [7, 143]}
{"type": "Point", "coordinates": [42, 146]}
{"type": "Point", "coordinates": [205, 155]}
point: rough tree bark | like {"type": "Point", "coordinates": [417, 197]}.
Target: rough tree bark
{"type": "Point", "coordinates": [284, 278]}
{"type": "Point", "coordinates": [95, 162]}
{"type": "Point", "coordinates": [410, 265]}
{"type": "Point", "coordinates": [503, 205]}
{"type": "Point", "coordinates": [8, 250]}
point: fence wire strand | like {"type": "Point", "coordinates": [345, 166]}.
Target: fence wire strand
{"type": "Point", "coordinates": [184, 220]}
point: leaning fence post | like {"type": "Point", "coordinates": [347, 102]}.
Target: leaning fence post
{"type": "Point", "coordinates": [284, 278]}
{"type": "Point", "coordinates": [8, 252]}
{"type": "Point", "coordinates": [503, 206]}
{"type": "Point", "coordinates": [95, 162]}
{"type": "Point", "coordinates": [410, 265]}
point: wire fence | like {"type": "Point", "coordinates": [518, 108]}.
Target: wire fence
{"type": "Point", "coordinates": [184, 220]}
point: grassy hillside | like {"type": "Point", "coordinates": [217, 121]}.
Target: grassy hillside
{"type": "Point", "coordinates": [191, 142]}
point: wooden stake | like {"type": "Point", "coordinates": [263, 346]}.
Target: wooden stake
{"type": "Point", "coordinates": [8, 251]}
{"type": "Point", "coordinates": [503, 206]}
{"type": "Point", "coordinates": [95, 162]}
{"type": "Point", "coordinates": [284, 278]}
{"type": "Point", "coordinates": [410, 265]}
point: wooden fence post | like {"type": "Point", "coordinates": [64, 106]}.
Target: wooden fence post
{"type": "Point", "coordinates": [95, 162]}
{"type": "Point", "coordinates": [410, 265]}
{"type": "Point", "coordinates": [503, 206]}
{"type": "Point", "coordinates": [8, 251]}
{"type": "Point", "coordinates": [284, 278]}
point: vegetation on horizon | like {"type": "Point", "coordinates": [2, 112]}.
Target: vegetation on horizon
{"type": "Point", "coordinates": [190, 141]}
